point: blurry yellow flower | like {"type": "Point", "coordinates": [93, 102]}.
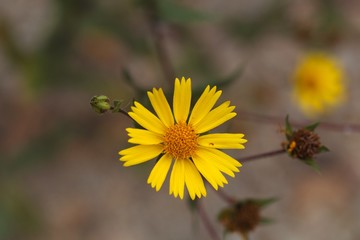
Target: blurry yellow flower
{"type": "Point", "coordinates": [177, 135]}
{"type": "Point", "coordinates": [318, 84]}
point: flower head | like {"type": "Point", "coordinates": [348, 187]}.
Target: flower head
{"type": "Point", "coordinates": [318, 85]}
{"type": "Point", "coordinates": [244, 216]}
{"type": "Point", "coordinates": [303, 143]}
{"type": "Point", "coordinates": [178, 138]}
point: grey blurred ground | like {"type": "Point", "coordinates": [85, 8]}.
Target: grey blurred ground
{"type": "Point", "coordinates": [65, 180]}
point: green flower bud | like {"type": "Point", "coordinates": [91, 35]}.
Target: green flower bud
{"type": "Point", "coordinates": [100, 104]}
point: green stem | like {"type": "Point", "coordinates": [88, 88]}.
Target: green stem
{"type": "Point", "coordinates": [122, 111]}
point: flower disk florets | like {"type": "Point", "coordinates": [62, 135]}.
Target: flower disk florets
{"type": "Point", "coordinates": [180, 141]}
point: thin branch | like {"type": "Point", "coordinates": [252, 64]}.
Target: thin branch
{"type": "Point", "coordinates": [346, 128]}
{"type": "Point", "coordinates": [261, 155]}
{"type": "Point", "coordinates": [163, 55]}
{"type": "Point", "coordinates": [339, 127]}
{"type": "Point", "coordinates": [205, 219]}
{"type": "Point", "coordinates": [158, 36]}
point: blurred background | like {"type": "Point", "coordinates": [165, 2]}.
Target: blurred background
{"type": "Point", "coordinates": [60, 177]}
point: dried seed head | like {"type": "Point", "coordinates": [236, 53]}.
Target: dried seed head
{"type": "Point", "coordinates": [304, 144]}
{"type": "Point", "coordinates": [242, 218]}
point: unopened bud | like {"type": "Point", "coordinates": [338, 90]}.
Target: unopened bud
{"type": "Point", "coordinates": [100, 104]}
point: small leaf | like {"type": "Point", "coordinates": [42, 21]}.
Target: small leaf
{"type": "Point", "coordinates": [311, 162]}
{"type": "Point", "coordinates": [265, 202]}
{"type": "Point", "coordinates": [265, 221]}
{"type": "Point", "coordinates": [323, 149]}
{"type": "Point", "coordinates": [288, 128]}
{"type": "Point", "coordinates": [116, 106]}
{"type": "Point", "coordinates": [312, 127]}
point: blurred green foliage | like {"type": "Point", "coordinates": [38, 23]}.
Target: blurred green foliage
{"type": "Point", "coordinates": [250, 29]}
{"type": "Point", "coordinates": [40, 150]}
{"type": "Point", "coordinates": [18, 215]}
{"type": "Point", "coordinates": [52, 64]}
{"type": "Point", "coordinates": [173, 12]}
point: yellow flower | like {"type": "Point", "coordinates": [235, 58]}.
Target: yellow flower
{"type": "Point", "coordinates": [179, 137]}
{"type": "Point", "coordinates": [318, 84]}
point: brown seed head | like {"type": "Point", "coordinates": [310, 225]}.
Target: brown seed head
{"type": "Point", "coordinates": [304, 144]}
{"type": "Point", "coordinates": [242, 218]}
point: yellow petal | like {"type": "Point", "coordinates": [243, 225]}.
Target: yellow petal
{"type": "Point", "coordinates": [193, 180]}
{"type": "Point", "coordinates": [204, 104]}
{"type": "Point", "coordinates": [159, 172]}
{"type": "Point", "coordinates": [146, 119]}
{"type": "Point", "coordinates": [209, 171]}
{"type": "Point", "coordinates": [161, 106]}
{"type": "Point", "coordinates": [222, 140]}
{"type": "Point", "coordinates": [215, 117]}
{"type": "Point", "coordinates": [182, 99]}
{"type": "Point", "coordinates": [177, 178]}
{"type": "Point", "coordinates": [144, 137]}
{"type": "Point", "coordinates": [220, 160]}
{"type": "Point", "coordinates": [139, 154]}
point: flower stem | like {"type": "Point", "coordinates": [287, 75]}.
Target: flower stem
{"type": "Point", "coordinates": [261, 155]}
{"type": "Point", "coordinates": [205, 219]}
{"type": "Point", "coordinates": [230, 200]}
{"type": "Point", "coordinates": [122, 111]}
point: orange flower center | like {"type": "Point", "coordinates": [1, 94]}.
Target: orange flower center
{"type": "Point", "coordinates": [180, 141]}
{"type": "Point", "coordinates": [311, 83]}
